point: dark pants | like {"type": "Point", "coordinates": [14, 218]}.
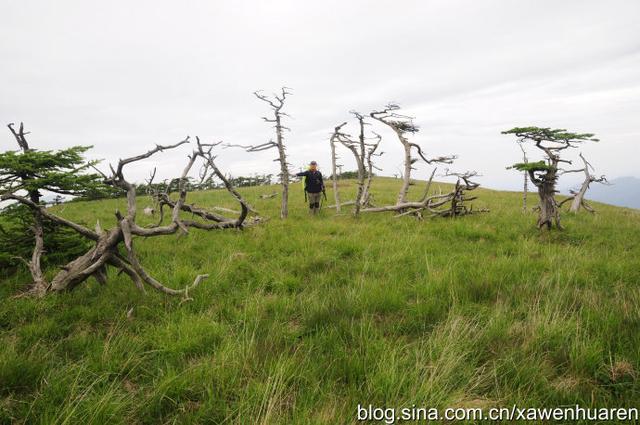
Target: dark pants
{"type": "Point", "coordinates": [314, 201]}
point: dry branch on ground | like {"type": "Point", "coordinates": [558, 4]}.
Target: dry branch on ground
{"type": "Point", "coordinates": [105, 251]}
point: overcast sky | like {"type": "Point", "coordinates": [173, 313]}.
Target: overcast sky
{"type": "Point", "coordinates": [123, 75]}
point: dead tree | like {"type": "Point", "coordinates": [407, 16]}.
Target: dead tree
{"type": "Point", "coordinates": [525, 189]}
{"type": "Point", "coordinates": [162, 198]}
{"type": "Point", "coordinates": [544, 174]}
{"type": "Point", "coordinates": [450, 204]}
{"type": "Point", "coordinates": [105, 251]}
{"type": "Point", "coordinates": [209, 165]}
{"type": "Point", "coordinates": [209, 170]}
{"type": "Point", "coordinates": [334, 166]}
{"type": "Point", "coordinates": [357, 149]}
{"type": "Point", "coordinates": [276, 102]}
{"type": "Point", "coordinates": [362, 152]}
{"type": "Point", "coordinates": [370, 153]}
{"type": "Point", "coordinates": [458, 199]}
{"type": "Point", "coordinates": [403, 125]}
{"type": "Point", "coordinates": [577, 197]}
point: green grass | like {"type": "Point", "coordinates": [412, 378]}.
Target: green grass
{"type": "Point", "coordinates": [303, 319]}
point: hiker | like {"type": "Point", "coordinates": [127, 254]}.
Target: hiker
{"type": "Point", "coordinates": [313, 186]}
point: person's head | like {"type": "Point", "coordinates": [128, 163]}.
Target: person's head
{"type": "Point", "coordinates": [313, 165]}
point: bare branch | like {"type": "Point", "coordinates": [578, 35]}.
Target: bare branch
{"type": "Point", "coordinates": [254, 148]}
{"type": "Point", "coordinates": [276, 102]}
{"type": "Point", "coordinates": [158, 148]}
{"type": "Point", "coordinates": [105, 250]}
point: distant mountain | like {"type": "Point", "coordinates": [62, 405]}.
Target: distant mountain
{"type": "Point", "coordinates": [623, 191]}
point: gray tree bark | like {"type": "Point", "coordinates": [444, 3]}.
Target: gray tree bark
{"type": "Point", "coordinates": [350, 144]}
{"type": "Point", "coordinates": [578, 200]}
{"type": "Point", "coordinates": [105, 251]}
{"type": "Point", "coordinates": [525, 189]}
{"type": "Point", "coordinates": [334, 170]}
{"type": "Point", "coordinates": [276, 102]}
{"type": "Point", "coordinates": [39, 285]}
{"type": "Point", "coordinates": [401, 125]}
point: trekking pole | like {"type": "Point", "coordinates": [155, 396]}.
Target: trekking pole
{"type": "Point", "coordinates": [324, 195]}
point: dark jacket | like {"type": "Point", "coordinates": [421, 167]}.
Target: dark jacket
{"type": "Point", "coordinates": [313, 181]}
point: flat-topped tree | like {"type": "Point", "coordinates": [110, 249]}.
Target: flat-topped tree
{"type": "Point", "coordinates": [31, 173]}
{"type": "Point", "coordinates": [544, 174]}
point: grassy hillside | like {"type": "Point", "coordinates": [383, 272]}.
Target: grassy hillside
{"type": "Point", "coordinates": [303, 319]}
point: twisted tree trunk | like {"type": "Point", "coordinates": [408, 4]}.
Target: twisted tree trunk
{"type": "Point", "coordinates": [105, 251]}
{"type": "Point", "coordinates": [401, 125]}
{"type": "Point", "coordinates": [80, 269]}
{"type": "Point", "coordinates": [366, 193]}
{"type": "Point", "coordinates": [360, 158]}
{"type": "Point", "coordinates": [552, 142]}
{"type": "Point", "coordinates": [359, 154]}
{"type": "Point", "coordinates": [549, 212]}
{"type": "Point", "coordinates": [578, 197]}
{"type": "Point", "coordinates": [39, 285]}
{"type": "Point", "coordinates": [578, 200]}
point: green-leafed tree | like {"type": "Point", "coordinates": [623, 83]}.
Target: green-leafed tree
{"type": "Point", "coordinates": [33, 173]}
{"type": "Point", "coordinates": [61, 244]}
{"type": "Point", "coordinates": [544, 174]}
